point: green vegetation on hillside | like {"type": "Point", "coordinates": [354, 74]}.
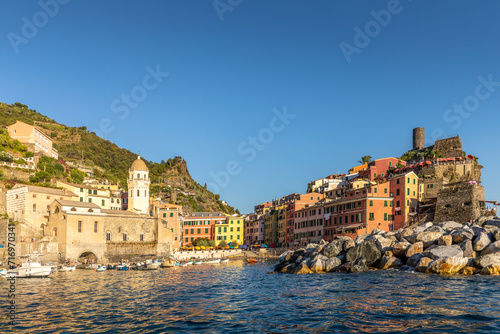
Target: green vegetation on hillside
{"type": "Point", "coordinates": [170, 179]}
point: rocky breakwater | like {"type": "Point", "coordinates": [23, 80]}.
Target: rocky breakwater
{"type": "Point", "coordinates": [445, 248]}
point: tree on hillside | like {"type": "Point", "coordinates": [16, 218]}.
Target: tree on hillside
{"type": "Point", "coordinates": [365, 159]}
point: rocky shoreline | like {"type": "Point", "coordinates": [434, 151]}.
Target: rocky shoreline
{"type": "Point", "coordinates": [445, 248]}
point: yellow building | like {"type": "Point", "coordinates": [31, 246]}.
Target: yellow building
{"type": "Point", "coordinates": [89, 194]}
{"type": "Point", "coordinates": [232, 230]}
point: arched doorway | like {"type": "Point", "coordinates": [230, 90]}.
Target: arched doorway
{"type": "Point", "coordinates": [87, 258]}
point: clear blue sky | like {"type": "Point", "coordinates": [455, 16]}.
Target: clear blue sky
{"type": "Point", "coordinates": [355, 86]}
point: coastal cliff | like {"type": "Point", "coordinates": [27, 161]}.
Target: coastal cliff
{"type": "Point", "coordinates": [445, 248]}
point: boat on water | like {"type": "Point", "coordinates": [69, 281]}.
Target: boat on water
{"type": "Point", "coordinates": [252, 261]}
{"type": "Point", "coordinates": [197, 262]}
{"type": "Point", "coordinates": [123, 267]}
{"type": "Point", "coordinates": [215, 261]}
{"type": "Point", "coordinates": [224, 261]}
{"type": "Point", "coordinates": [30, 268]}
{"type": "Point", "coordinates": [111, 267]}
{"type": "Point", "coordinates": [92, 267]}
{"type": "Point", "coordinates": [168, 263]}
{"type": "Point", "coordinates": [152, 265]}
{"type": "Point", "coordinates": [100, 268]}
{"type": "Point", "coordinates": [64, 268]}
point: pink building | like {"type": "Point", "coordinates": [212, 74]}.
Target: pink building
{"type": "Point", "coordinates": [36, 140]}
{"type": "Point", "coordinates": [309, 223]}
{"type": "Point", "coordinates": [254, 229]}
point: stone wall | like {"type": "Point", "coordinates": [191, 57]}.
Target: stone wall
{"type": "Point", "coordinates": [459, 203]}
{"type": "Point", "coordinates": [134, 252]}
{"type": "Point", "coordinates": [449, 147]}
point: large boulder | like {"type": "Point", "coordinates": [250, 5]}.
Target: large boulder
{"type": "Point", "coordinates": [344, 268]}
{"type": "Point", "coordinates": [367, 250]}
{"type": "Point", "coordinates": [467, 248]}
{"type": "Point", "coordinates": [491, 270]}
{"type": "Point", "coordinates": [435, 228]}
{"type": "Point", "coordinates": [467, 270]}
{"type": "Point", "coordinates": [416, 248]}
{"type": "Point", "coordinates": [494, 247]}
{"type": "Point", "coordinates": [449, 226]}
{"type": "Point", "coordinates": [332, 264]}
{"type": "Point", "coordinates": [399, 248]}
{"type": "Point", "coordinates": [481, 241]}
{"type": "Point", "coordinates": [403, 234]}
{"type": "Point", "coordinates": [302, 268]}
{"type": "Point", "coordinates": [383, 244]}
{"type": "Point", "coordinates": [422, 264]}
{"type": "Point", "coordinates": [462, 234]}
{"type": "Point", "coordinates": [445, 240]}
{"type": "Point", "coordinates": [447, 266]}
{"type": "Point", "coordinates": [413, 260]}
{"type": "Point", "coordinates": [286, 256]}
{"type": "Point", "coordinates": [361, 238]}
{"type": "Point", "coordinates": [492, 222]}
{"type": "Point", "coordinates": [338, 245]}
{"type": "Point", "coordinates": [496, 235]}
{"type": "Point", "coordinates": [486, 260]}
{"type": "Point", "coordinates": [288, 268]}
{"type": "Point", "coordinates": [312, 249]}
{"type": "Point", "coordinates": [389, 262]}
{"type": "Point", "coordinates": [317, 266]}
{"type": "Point", "coordinates": [429, 238]}
{"type": "Point", "coordinates": [359, 266]}
{"type": "Point", "coordinates": [422, 228]}
{"type": "Point", "coordinates": [444, 251]}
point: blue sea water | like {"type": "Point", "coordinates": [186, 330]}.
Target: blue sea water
{"type": "Point", "coordinates": [242, 298]}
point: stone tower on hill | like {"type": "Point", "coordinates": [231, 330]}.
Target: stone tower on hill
{"type": "Point", "coordinates": [138, 187]}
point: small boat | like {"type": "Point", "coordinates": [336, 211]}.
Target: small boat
{"type": "Point", "coordinates": [3, 272]}
{"type": "Point", "coordinates": [53, 266]}
{"type": "Point", "coordinates": [251, 261]}
{"type": "Point", "coordinates": [197, 262]}
{"type": "Point", "coordinates": [224, 261]}
{"type": "Point", "coordinates": [152, 265]}
{"type": "Point", "coordinates": [64, 268]}
{"type": "Point", "coordinates": [183, 265]}
{"type": "Point", "coordinates": [216, 261]}
{"type": "Point", "coordinates": [123, 267]}
{"type": "Point", "coordinates": [111, 267]}
{"type": "Point", "coordinates": [31, 268]}
{"type": "Point", "coordinates": [188, 263]}
{"type": "Point", "coordinates": [100, 268]}
{"type": "Point", "coordinates": [168, 263]}
{"type": "Point", "coordinates": [92, 267]}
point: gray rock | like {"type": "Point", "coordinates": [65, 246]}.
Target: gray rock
{"type": "Point", "coordinates": [478, 230]}
{"type": "Point", "coordinates": [422, 228]}
{"type": "Point", "coordinates": [413, 260]}
{"type": "Point", "coordinates": [332, 264]}
{"type": "Point", "coordinates": [449, 226]}
{"type": "Point", "coordinates": [317, 266]}
{"type": "Point", "coordinates": [462, 234]}
{"type": "Point", "coordinates": [286, 256]}
{"type": "Point", "coordinates": [486, 260]}
{"type": "Point", "coordinates": [494, 247]}
{"type": "Point", "coordinates": [443, 251]}
{"type": "Point", "coordinates": [481, 241]}
{"type": "Point", "coordinates": [383, 244]}
{"type": "Point", "coordinates": [399, 248]}
{"type": "Point", "coordinates": [435, 228]}
{"type": "Point", "coordinates": [302, 268]}
{"type": "Point", "coordinates": [429, 238]}
{"type": "Point", "coordinates": [496, 235]}
{"type": "Point", "coordinates": [367, 250]}
{"type": "Point", "coordinates": [389, 262]}
{"type": "Point", "coordinates": [337, 245]}
{"type": "Point", "coordinates": [361, 238]}
{"type": "Point", "coordinates": [422, 264]}
{"type": "Point", "coordinates": [493, 222]}
{"type": "Point", "coordinates": [467, 248]}
{"type": "Point", "coordinates": [416, 248]}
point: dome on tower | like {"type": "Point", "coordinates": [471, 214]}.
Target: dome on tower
{"type": "Point", "coordinates": [139, 165]}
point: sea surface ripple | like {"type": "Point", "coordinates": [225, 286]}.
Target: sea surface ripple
{"type": "Point", "coordinates": [242, 298]}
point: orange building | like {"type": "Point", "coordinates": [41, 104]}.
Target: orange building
{"type": "Point", "coordinates": [404, 188]}
{"type": "Point", "coordinates": [200, 225]}
{"type": "Point", "coordinates": [359, 211]}
{"type": "Point", "coordinates": [300, 202]}
{"type": "Point", "coordinates": [378, 168]}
